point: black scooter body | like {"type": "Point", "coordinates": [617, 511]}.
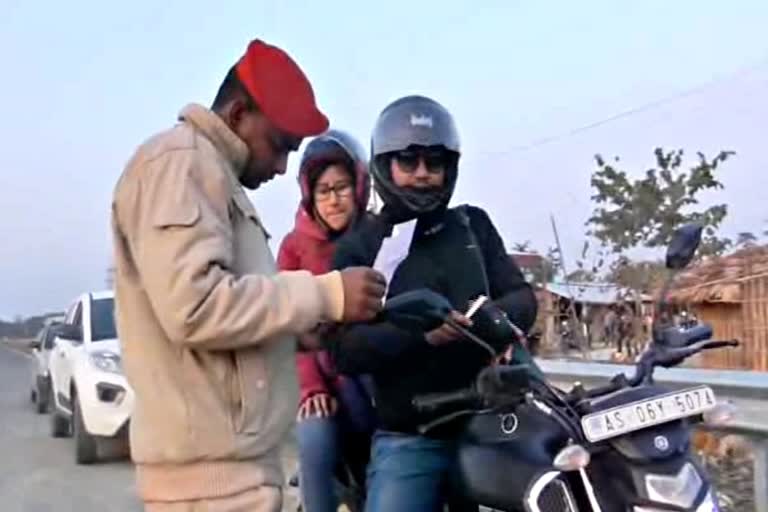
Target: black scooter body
{"type": "Point", "coordinates": [501, 453]}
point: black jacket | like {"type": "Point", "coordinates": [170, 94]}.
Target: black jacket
{"type": "Point", "coordinates": [443, 257]}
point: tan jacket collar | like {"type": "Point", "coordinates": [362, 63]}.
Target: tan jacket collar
{"type": "Point", "coordinates": [216, 130]}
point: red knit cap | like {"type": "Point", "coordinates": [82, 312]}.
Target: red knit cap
{"type": "Point", "coordinates": [281, 90]}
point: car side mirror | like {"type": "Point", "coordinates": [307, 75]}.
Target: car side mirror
{"type": "Point", "coordinates": [69, 332]}
{"type": "Point", "coordinates": [683, 245]}
{"type": "Point", "coordinates": [34, 345]}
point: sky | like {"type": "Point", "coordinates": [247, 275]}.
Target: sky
{"type": "Point", "coordinates": [84, 83]}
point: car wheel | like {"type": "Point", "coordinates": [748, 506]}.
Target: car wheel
{"type": "Point", "coordinates": [86, 446]}
{"type": "Point", "coordinates": [41, 396]}
{"type": "Point", "coordinates": [60, 426]}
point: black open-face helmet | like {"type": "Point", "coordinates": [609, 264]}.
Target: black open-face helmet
{"type": "Point", "coordinates": [408, 123]}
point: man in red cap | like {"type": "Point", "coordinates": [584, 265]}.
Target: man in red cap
{"type": "Point", "coordinates": [207, 324]}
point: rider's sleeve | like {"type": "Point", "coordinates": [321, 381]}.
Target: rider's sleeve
{"type": "Point", "coordinates": [509, 289]}
{"type": "Point", "coordinates": [370, 348]}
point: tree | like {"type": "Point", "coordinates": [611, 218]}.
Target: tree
{"type": "Point", "coordinates": [582, 276]}
{"type": "Point", "coordinates": [588, 268]}
{"type": "Point", "coordinates": [746, 239]}
{"type": "Point", "coordinates": [547, 267]}
{"type": "Point", "coordinates": [645, 212]}
{"type": "Point", "coordinates": [644, 276]}
{"type": "Point", "coordinates": [522, 247]}
{"type": "Point", "coordinates": [750, 239]}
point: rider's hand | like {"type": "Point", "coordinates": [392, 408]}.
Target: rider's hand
{"type": "Point", "coordinates": [447, 333]}
{"type": "Point", "coordinates": [364, 290]}
{"type": "Point", "coordinates": [321, 405]}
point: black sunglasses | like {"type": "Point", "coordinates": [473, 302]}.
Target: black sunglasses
{"type": "Point", "coordinates": [435, 161]}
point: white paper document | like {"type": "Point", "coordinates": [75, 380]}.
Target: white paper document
{"type": "Point", "coordinates": [394, 249]}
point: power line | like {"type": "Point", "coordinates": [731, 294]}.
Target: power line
{"type": "Point", "coordinates": [640, 109]}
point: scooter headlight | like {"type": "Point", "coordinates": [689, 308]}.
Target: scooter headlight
{"type": "Point", "coordinates": [679, 490]}
{"type": "Point", "coordinates": [708, 505]}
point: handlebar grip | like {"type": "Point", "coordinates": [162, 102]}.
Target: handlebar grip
{"type": "Point", "coordinates": [698, 333]}
{"type": "Point", "coordinates": [432, 401]}
{"type": "Point", "coordinates": [722, 343]}
{"type": "Point", "coordinates": [602, 390]}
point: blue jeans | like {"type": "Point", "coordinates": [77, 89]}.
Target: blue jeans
{"type": "Point", "coordinates": [408, 473]}
{"type": "Point", "coordinates": [319, 452]}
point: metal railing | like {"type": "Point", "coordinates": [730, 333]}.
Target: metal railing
{"type": "Point", "coordinates": [747, 390]}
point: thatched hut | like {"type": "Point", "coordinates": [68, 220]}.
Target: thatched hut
{"type": "Point", "coordinates": [731, 294]}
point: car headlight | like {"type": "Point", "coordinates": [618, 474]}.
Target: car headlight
{"type": "Point", "coordinates": [106, 361]}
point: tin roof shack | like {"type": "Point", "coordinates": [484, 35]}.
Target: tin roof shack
{"type": "Point", "coordinates": [731, 294]}
{"type": "Point", "coordinates": [538, 271]}
{"type": "Point", "coordinates": [592, 303]}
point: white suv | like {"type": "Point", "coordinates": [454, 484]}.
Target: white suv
{"type": "Point", "coordinates": [91, 398]}
{"type": "Point", "coordinates": [42, 347]}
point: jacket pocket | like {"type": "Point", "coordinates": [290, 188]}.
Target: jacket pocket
{"type": "Point", "coordinates": [251, 372]}
{"type": "Point", "coordinates": [183, 212]}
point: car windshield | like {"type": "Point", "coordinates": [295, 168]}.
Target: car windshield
{"type": "Point", "coordinates": [103, 319]}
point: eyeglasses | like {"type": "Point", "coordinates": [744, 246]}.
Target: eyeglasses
{"type": "Point", "coordinates": [434, 161]}
{"type": "Point", "coordinates": [342, 190]}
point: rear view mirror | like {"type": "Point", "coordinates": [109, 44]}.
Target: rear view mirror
{"type": "Point", "coordinates": [683, 245]}
{"type": "Point", "coordinates": [34, 344]}
{"type": "Point", "coordinates": [69, 332]}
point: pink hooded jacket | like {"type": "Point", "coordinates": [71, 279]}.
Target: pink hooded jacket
{"type": "Point", "coordinates": [309, 246]}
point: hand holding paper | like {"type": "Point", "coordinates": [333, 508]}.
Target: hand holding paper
{"type": "Point", "coordinates": [394, 249]}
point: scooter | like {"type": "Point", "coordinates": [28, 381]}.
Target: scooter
{"type": "Point", "coordinates": [529, 446]}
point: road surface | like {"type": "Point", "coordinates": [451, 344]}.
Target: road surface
{"type": "Point", "coordinates": [37, 472]}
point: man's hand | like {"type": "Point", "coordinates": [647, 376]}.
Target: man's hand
{"type": "Point", "coordinates": [446, 333]}
{"type": "Point", "coordinates": [364, 290]}
{"type": "Point", "coordinates": [318, 406]}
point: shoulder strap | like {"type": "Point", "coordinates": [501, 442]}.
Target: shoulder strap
{"type": "Point", "coordinates": [461, 211]}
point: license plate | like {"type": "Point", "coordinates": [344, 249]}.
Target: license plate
{"type": "Point", "coordinates": [627, 418]}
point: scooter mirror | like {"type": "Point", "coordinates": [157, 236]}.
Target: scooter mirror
{"type": "Point", "coordinates": [683, 246]}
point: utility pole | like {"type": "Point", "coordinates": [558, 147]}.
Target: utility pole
{"type": "Point", "coordinates": [572, 317]}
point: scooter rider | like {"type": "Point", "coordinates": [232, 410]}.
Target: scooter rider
{"type": "Point", "coordinates": [456, 252]}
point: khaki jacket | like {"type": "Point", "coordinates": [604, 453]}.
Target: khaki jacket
{"type": "Point", "coordinates": [206, 324]}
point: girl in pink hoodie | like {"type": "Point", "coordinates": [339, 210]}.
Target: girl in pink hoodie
{"type": "Point", "coordinates": [335, 186]}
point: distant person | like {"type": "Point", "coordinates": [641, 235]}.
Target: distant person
{"type": "Point", "coordinates": [207, 325]}
{"type": "Point", "coordinates": [610, 321]}
{"type": "Point", "coordinates": [334, 182]}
